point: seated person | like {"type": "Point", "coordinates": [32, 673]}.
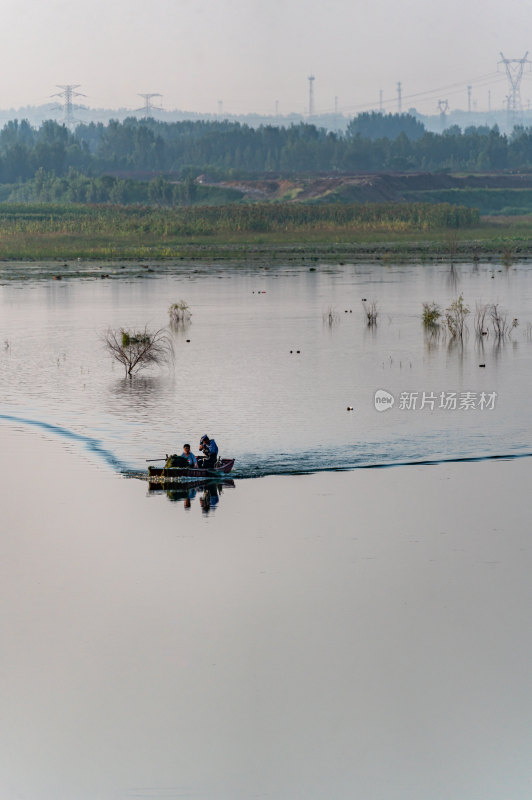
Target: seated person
{"type": "Point", "coordinates": [209, 448]}
{"type": "Point", "coordinates": [190, 457]}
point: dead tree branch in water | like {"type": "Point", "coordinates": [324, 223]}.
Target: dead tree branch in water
{"type": "Point", "coordinates": [138, 349]}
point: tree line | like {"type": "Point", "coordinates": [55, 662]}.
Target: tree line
{"type": "Point", "coordinates": [141, 149]}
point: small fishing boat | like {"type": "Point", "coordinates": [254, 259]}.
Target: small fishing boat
{"type": "Point", "coordinates": [222, 467]}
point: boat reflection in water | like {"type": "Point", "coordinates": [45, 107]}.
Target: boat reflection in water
{"type": "Point", "coordinates": [208, 492]}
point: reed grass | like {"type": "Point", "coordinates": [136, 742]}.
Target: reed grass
{"type": "Point", "coordinates": [374, 231]}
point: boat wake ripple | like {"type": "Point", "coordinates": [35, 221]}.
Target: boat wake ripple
{"type": "Point", "coordinates": [89, 442]}
{"type": "Point", "coordinates": [369, 456]}
{"type": "Point", "coordinates": [253, 471]}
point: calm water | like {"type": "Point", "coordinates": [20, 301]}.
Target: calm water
{"type": "Point", "coordinates": [337, 635]}
{"type": "Point", "coordinates": [237, 379]}
{"type": "Point", "coordinates": [357, 634]}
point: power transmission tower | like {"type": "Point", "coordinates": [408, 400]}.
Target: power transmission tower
{"type": "Point", "coordinates": [514, 72]}
{"type": "Point", "coordinates": [68, 105]}
{"type": "Point", "coordinates": [443, 106]}
{"type": "Point", "coordinates": [380, 102]}
{"type": "Point", "coordinates": [148, 106]}
{"type": "Point", "coordinates": [399, 103]}
{"type": "Point", "coordinates": [469, 99]}
{"type": "Point", "coordinates": [311, 80]}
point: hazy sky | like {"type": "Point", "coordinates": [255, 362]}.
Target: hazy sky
{"type": "Point", "coordinates": [252, 53]}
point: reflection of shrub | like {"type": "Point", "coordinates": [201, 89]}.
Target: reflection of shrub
{"type": "Point", "coordinates": [137, 349]}
{"type": "Point", "coordinates": [179, 313]}
{"type": "Point", "coordinates": [431, 315]}
{"type": "Point", "coordinates": [455, 318]}
{"type": "Point", "coordinates": [331, 316]}
{"type": "Point", "coordinates": [370, 310]}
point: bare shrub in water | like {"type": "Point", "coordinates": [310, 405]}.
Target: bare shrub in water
{"type": "Point", "coordinates": [480, 323]}
{"type": "Point", "coordinates": [370, 310]}
{"type": "Point", "coordinates": [179, 313]}
{"type": "Point", "coordinates": [431, 315]}
{"type": "Point", "coordinates": [455, 318]}
{"type": "Point", "coordinates": [502, 328]}
{"type": "Point", "coordinates": [138, 349]}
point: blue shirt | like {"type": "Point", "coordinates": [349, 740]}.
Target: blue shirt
{"type": "Point", "coordinates": [212, 448]}
{"type": "Point", "coordinates": [191, 458]}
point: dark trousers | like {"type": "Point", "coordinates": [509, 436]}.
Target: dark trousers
{"type": "Point", "coordinates": [207, 462]}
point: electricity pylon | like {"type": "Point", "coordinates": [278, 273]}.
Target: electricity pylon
{"type": "Point", "coordinates": [68, 106]}
{"type": "Point", "coordinates": [148, 106]}
{"type": "Point", "coordinates": [443, 106]}
{"type": "Point", "coordinates": [514, 72]}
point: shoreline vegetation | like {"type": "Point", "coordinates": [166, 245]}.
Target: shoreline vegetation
{"type": "Point", "coordinates": [277, 232]}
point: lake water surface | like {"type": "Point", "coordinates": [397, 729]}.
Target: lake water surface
{"type": "Point", "coordinates": [363, 633]}
{"type": "Point", "coordinates": [242, 379]}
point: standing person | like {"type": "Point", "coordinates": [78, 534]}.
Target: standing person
{"type": "Point", "coordinates": [209, 448]}
{"type": "Point", "coordinates": [190, 457]}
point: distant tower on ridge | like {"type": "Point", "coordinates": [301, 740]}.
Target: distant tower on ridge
{"type": "Point", "coordinates": [148, 106]}
{"type": "Point", "coordinates": [399, 97]}
{"type": "Point", "coordinates": [514, 72]}
{"type": "Point", "coordinates": [311, 80]}
{"type": "Point", "coordinates": [443, 107]}
{"type": "Point", "coordinates": [69, 106]}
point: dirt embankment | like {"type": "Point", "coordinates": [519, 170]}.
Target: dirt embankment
{"type": "Point", "coordinates": [376, 188]}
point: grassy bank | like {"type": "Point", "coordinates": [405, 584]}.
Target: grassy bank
{"type": "Point", "coordinates": [49, 232]}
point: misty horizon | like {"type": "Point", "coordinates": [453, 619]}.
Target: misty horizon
{"type": "Point", "coordinates": [256, 59]}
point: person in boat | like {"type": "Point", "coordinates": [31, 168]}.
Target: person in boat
{"type": "Point", "coordinates": [190, 457]}
{"type": "Point", "coordinates": [209, 448]}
